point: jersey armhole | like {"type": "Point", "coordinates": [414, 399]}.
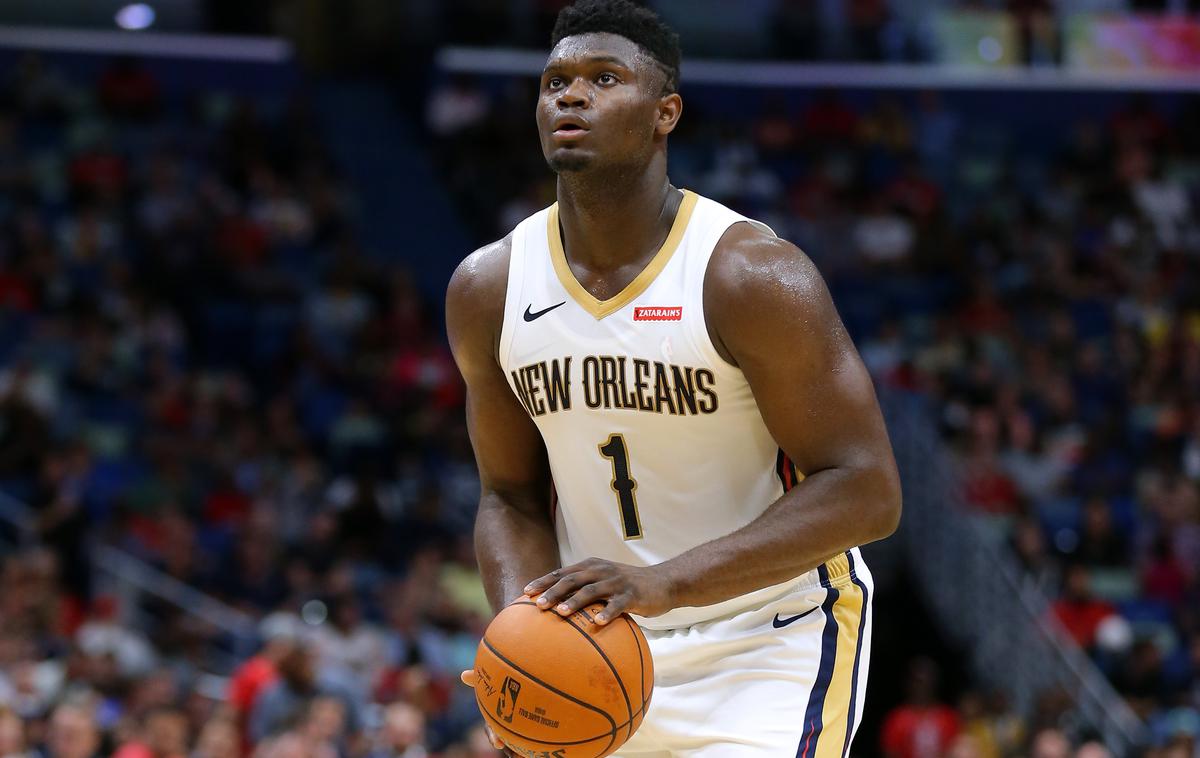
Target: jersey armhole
{"type": "Point", "coordinates": [700, 334]}
{"type": "Point", "coordinates": [512, 294]}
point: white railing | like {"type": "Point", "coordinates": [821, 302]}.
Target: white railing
{"type": "Point", "coordinates": [132, 582]}
{"type": "Point", "coordinates": [515, 62]}
{"type": "Point", "coordinates": [979, 594]}
{"type": "Point", "coordinates": [152, 44]}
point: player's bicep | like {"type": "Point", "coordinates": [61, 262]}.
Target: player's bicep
{"type": "Point", "coordinates": [778, 321]}
{"type": "Point", "coordinates": [508, 448]}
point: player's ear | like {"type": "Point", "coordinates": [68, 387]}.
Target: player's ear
{"type": "Point", "coordinates": [670, 108]}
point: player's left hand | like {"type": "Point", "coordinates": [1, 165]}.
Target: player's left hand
{"type": "Point", "coordinates": [645, 591]}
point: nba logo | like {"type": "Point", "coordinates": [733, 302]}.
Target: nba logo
{"type": "Point", "coordinates": [506, 706]}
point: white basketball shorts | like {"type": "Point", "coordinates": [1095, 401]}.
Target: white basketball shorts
{"type": "Point", "coordinates": [786, 679]}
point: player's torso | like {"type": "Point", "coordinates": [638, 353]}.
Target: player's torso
{"type": "Point", "coordinates": [655, 442]}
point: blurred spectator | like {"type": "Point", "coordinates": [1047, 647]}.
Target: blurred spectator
{"type": "Point", "coordinates": [1050, 743]}
{"type": "Point", "coordinates": [12, 736]}
{"type": "Point", "coordinates": [866, 19]}
{"type": "Point", "coordinates": [287, 702]}
{"type": "Point", "coordinates": [281, 633]}
{"type": "Point", "coordinates": [72, 732]}
{"type": "Point", "coordinates": [988, 487]}
{"type": "Point", "coordinates": [163, 733]}
{"type": "Point", "coordinates": [922, 727]}
{"type": "Point", "coordinates": [403, 733]}
{"type": "Point", "coordinates": [884, 237]}
{"type": "Point", "coordinates": [978, 736]}
{"type": "Point", "coordinates": [349, 642]}
{"type": "Point", "coordinates": [1037, 475]}
{"type": "Point", "coordinates": [218, 738]}
{"type": "Point", "coordinates": [127, 89]}
{"type": "Point", "coordinates": [1141, 679]}
{"type": "Point", "coordinates": [1099, 542]}
{"type": "Point", "coordinates": [294, 745]}
{"type": "Point", "coordinates": [105, 636]}
{"type": "Point", "coordinates": [1093, 749]}
{"type": "Point", "coordinates": [1078, 610]}
{"type": "Point", "coordinates": [456, 107]}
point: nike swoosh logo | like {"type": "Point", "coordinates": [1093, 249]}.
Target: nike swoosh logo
{"type": "Point", "coordinates": [779, 623]}
{"type": "Point", "coordinates": [535, 316]}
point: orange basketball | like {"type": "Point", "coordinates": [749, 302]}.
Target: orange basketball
{"type": "Point", "coordinates": [555, 687]}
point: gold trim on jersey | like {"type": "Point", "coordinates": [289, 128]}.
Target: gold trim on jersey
{"type": "Point", "coordinates": [842, 694]}
{"type": "Point", "coordinates": [601, 308]}
{"type": "Point", "coordinates": [837, 567]}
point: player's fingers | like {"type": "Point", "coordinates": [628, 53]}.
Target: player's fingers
{"type": "Point", "coordinates": [586, 595]}
{"type": "Point", "coordinates": [496, 741]}
{"type": "Point", "coordinates": [542, 582]}
{"type": "Point", "coordinates": [468, 678]}
{"type": "Point", "coordinates": [616, 605]}
{"type": "Point", "coordinates": [565, 587]}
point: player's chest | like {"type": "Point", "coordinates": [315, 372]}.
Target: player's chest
{"type": "Point", "coordinates": [644, 363]}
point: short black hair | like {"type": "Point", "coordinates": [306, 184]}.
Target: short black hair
{"type": "Point", "coordinates": [628, 19]}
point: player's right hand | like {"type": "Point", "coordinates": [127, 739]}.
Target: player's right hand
{"type": "Point", "coordinates": [468, 678]}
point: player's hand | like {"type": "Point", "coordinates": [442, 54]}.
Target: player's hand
{"type": "Point", "coordinates": [468, 678]}
{"type": "Point", "coordinates": [622, 588]}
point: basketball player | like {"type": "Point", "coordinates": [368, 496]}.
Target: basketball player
{"type": "Point", "coordinates": [669, 418]}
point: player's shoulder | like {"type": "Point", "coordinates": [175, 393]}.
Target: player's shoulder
{"type": "Point", "coordinates": [750, 261]}
{"type": "Point", "coordinates": [475, 299]}
{"type": "Point", "coordinates": [483, 273]}
{"type": "Point", "coordinates": [756, 280]}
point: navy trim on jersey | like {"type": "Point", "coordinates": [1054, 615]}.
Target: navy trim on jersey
{"type": "Point", "coordinates": [816, 699]}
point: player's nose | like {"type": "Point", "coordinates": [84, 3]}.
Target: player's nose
{"type": "Point", "coordinates": [574, 95]}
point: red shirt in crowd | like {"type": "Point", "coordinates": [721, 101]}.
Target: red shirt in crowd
{"type": "Point", "coordinates": [915, 731]}
{"type": "Point", "coordinates": [248, 682]}
{"type": "Point", "coordinates": [134, 750]}
{"type": "Point", "coordinates": [1082, 617]}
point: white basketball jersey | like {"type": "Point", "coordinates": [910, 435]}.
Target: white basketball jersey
{"type": "Point", "coordinates": [655, 442]}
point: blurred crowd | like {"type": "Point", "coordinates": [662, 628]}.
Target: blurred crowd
{"type": "Point", "coordinates": [809, 30]}
{"type": "Point", "coordinates": [202, 369]}
{"type": "Point", "coordinates": [1042, 286]}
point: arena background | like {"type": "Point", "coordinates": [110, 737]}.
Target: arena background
{"type": "Point", "coordinates": [236, 484]}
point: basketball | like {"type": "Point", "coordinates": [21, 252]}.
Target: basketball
{"type": "Point", "coordinates": [562, 687]}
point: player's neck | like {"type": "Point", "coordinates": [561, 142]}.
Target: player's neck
{"type": "Point", "coordinates": [609, 220]}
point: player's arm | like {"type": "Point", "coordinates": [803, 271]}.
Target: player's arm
{"type": "Point", "coordinates": [773, 317]}
{"type": "Point", "coordinates": [514, 536]}
{"type": "Point", "coordinates": [770, 314]}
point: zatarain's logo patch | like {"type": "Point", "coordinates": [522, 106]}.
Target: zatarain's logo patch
{"type": "Point", "coordinates": [674, 313]}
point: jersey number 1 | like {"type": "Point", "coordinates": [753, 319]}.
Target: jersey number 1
{"type": "Point", "coordinates": [623, 484]}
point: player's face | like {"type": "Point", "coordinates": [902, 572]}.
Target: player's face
{"type": "Point", "coordinates": [599, 103]}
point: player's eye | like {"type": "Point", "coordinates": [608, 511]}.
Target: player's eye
{"type": "Point", "coordinates": [607, 78]}
{"type": "Point", "coordinates": [554, 82]}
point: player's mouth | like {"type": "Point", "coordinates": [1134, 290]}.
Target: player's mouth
{"type": "Point", "coordinates": [570, 128]}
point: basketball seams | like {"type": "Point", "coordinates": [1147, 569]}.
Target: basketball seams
{"type": "Point", "coordinates": [635, 715]}
{"type": "Point", "coordinates": [492, 720]}
{"type": "Point", "coordinates": [641, 660]}
{"type": "Point", "coordinates": [552, 688]}
{"type": "Point", "coordinates": [645, 700]}
{"type": "Point", "coordinates": [611, 735]}
{"type": "Point", "coordinates": [636, 633]}
{"type": "Point", "coordinates": [609, 663]}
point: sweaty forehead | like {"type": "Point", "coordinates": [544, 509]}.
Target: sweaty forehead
{"type": "Point", "coordinates": [580, 48]}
